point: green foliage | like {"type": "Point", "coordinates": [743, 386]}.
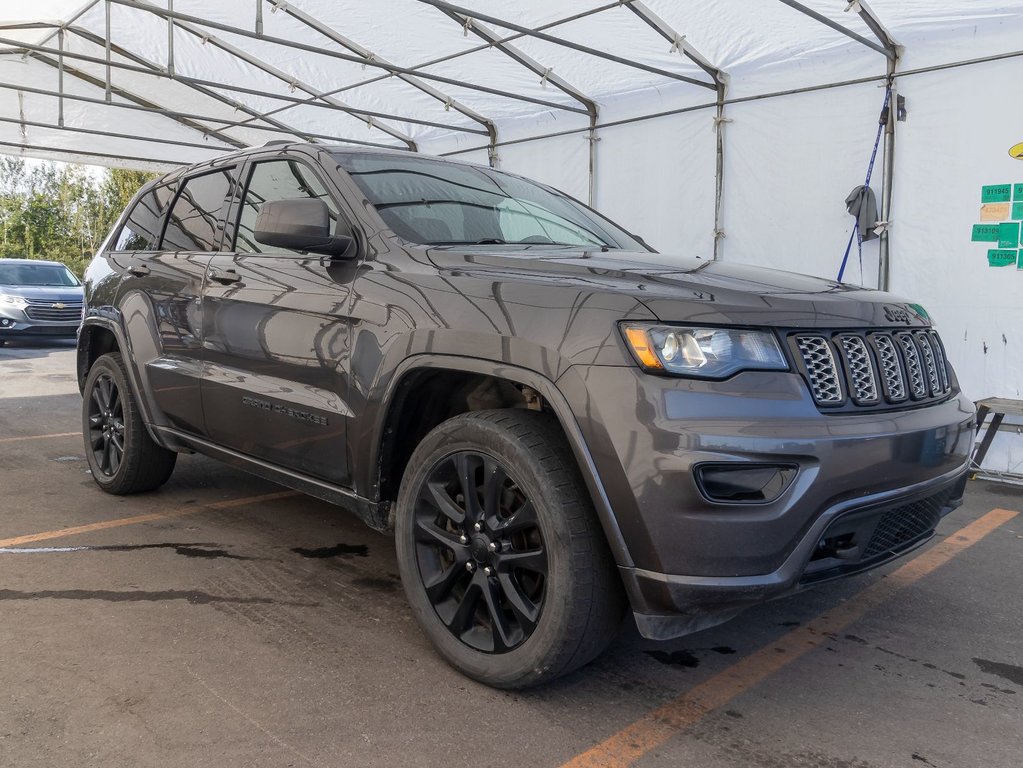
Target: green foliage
{"type": "Point", "coordinates": [60, 212]}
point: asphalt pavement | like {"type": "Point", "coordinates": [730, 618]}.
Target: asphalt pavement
{"type": "Point", "coordinates": [225, 621]}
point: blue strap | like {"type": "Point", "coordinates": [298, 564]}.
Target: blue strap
{"type": "Point", "coordinates": [870, 170]}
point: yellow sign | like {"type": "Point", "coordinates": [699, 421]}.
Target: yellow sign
{"type": "Point", "coordinates": [994, 211]}
{"type": "Point", "coordinates": [1017, 151]}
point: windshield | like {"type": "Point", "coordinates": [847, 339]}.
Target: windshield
{"type": "Point", "coordinates": [37, 274]}
{"type": "Point", "coordinates": [434, 202]}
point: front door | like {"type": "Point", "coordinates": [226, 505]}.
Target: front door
{"type": "Point", "coordinates": [276, 336]}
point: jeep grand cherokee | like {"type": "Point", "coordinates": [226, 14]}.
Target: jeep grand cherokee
{"type": "Point", "coordinates": [555, 421]}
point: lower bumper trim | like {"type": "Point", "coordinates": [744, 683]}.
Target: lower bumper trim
{"type": "Point", "coordinates": [667, 605]}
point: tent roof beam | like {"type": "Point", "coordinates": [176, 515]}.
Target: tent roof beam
{"type": "Point", "coordinates": [327, 31]}
{"type": "Point", "coordinates": [179, 18]}
{"type": "Point", "coordinates": [173, 114]}
{"type": "Point", "coordinates": [460, 54]}
{"type": "Point", "coordinates": [677, 40]}
{"type": "Point", "coordinates": [873, 22]}
{"type": "Point", "coordinates": [838, 27]}
{"type": "Point", "coordinates": [111, 134]}
{"type": "Point", "coordinates": [525, 60]}
{"type": "Point", "coordinates": [476, 16]}
{"type": "Point", "coordinates": [257, 63]}
{"type": "Point", "coordinates": [140, 101]}
{"type": "Point", "coordinates": [147, 67]}
{"type": "Point", "coordinates": [198, 87]}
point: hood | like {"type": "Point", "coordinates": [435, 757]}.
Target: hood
{"type": "Point", "coordinates": [690, 289]}
{"type": "Point", "coordinates": [64, 293]}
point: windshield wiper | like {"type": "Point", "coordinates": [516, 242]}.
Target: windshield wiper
{"type": "Point", "coordinates": [482, 241]}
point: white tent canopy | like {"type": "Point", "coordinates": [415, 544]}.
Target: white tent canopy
{"type": "Point", "coordinates": [732, 129]}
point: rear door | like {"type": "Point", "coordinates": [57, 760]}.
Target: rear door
{"type": "Point", "coordinates": [169, 279]}
{"type": "Point", "coordinates": [276, 334]}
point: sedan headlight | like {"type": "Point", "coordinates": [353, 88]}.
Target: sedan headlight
{"type": "Point", "coordinates": [17, 301]}
{"type": "Point", "coordinates": [707, 353]}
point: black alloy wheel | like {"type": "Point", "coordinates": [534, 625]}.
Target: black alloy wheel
{"type": "Point", "coordinates": [122, 455]}
{"type": "Point", "coordinates": [480, 552]}
{"type": "Point", "coordinates": [106, 425]}
{"type": "Point", "coordinates": [501, 554]}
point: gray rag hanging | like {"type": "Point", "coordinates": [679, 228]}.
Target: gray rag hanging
{"type": "Point", "coordinates": [862, 204]}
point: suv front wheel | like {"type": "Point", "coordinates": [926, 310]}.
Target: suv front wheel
{"type": "Point", "coordinates": [501, 555]}
{"type": "Point", "coordinates": [121, 454]}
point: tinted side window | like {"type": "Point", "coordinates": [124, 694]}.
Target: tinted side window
{"type": "Point", "coordinates": [142, 228]}
{"type": "Point", "coordinates": [278, 180]}
{"type": "Point", "coordinates": [196, 219]}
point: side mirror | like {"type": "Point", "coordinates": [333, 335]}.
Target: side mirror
{"type": "Point", "coordinates": [299, 225]}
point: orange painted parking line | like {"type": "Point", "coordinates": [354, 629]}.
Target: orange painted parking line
{"type": "Point", "coordinates": [655, 728]}
{"type": "Point", "coordinates": [39, 437]}
{"type": "Point", "coordinates": [120, 521]}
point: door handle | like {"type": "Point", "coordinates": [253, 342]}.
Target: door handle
{"type": "Point", "coordinates": [224, 276]}
{"type": "Point", "coordinates": [139, 270]}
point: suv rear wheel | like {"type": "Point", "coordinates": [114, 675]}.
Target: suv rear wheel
{"type": "Point", "coordinates": [501, 555]}
{"type": "Point", "coordinates": [121, 454]}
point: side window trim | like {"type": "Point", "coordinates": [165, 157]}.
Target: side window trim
{"type": "Point", "coordinates": [130, 209]}
{"type": "Point", "coordinates": [179, 187]}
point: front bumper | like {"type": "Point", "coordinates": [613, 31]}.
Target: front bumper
{"type": "Point", "coordinates": [15, 324]}
{"type": "Point", "coordinates": [691, 562]}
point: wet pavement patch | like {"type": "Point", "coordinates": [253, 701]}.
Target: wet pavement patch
{"type": "Point", "coordinates": [141, 596]}
{"type": "Point", "coordinates": [339, 550]}
{"type": "Point", "coordinates": [1008, 672]}
{"type": "Point", "coordinates": [685, 658]}
{"type": "Point", "coordinates": [187, 550]}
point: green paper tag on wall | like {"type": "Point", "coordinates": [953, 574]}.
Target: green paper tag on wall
{"type": "Point", "coordinates": [1017, 191]}
{"type": "Point", "coordinates": [999, 258]}
{"type": "Point", "coordinates": [1008, 234]}
{"type": "Point", "coordinates": [1017, 211]}
{"type": "Point", "coordinates": [996, 193]}
{"type": "Point", "coordinates": [985, 233]}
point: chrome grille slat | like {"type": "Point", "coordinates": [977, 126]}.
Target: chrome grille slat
{"type": "Point", "coordinates": [939, 359]}
{"type": "Point", "coordinates": [891, 368]}
{"type": "Point", "coordinates": [923, 341]}
{"type": "Point", "coordinates": [821, 368]}
{"type": "Point", "coordinates": [864, 369]}
{"type": "Point", "coordinates": [914, 367]}
{"type": "Point", "coordinates": [860, 368]}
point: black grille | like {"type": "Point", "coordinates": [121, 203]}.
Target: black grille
{"type": "Point", "coordinates": [67, 313]}
{"type": "Point", "coordinates": [904, 525]}
{"type": "Point", "coordinates": [864, 538]}
{"type": "Point", "coordinates": [873, 368]}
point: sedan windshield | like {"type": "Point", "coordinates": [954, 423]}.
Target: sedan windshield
{"type": "Point", "coordinates": [434, 202]}
{"type": "Point", "coordinates": [36, 274]}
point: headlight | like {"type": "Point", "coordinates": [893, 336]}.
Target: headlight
{"type": "Point", "coordinates": [708, 353]}
{"type": "Point", "coordinates": [17, 301]}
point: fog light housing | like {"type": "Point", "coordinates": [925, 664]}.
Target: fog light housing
{"type": "Point", "coordinates": [742, 483]}
{"type": "Point", "coordinates": [5, 322]}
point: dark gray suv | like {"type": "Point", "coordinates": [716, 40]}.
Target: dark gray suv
{"type": "Point", "coordinates": [555, 421]}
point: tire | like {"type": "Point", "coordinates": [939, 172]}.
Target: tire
{"type": "Point", "coordinates": [121, 454]}
{"type": "Point", "coordinates": [551, 583]}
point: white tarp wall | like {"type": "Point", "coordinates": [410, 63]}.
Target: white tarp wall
{"type": "Point", "coordinates": [789, 160]}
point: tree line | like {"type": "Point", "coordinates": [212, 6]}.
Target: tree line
{"type": "Point", "coordinates": [60, 212]}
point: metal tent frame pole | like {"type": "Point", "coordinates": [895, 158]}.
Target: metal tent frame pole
{"type": "Point", "coordinates": [679, 43]}
{"type": "Point", "coordinates": [892, 51]}
{"type": "Point", "coordinates": [298, 46]}
{"type": "Point", "coordinates": [448, 101]}
{"type": "Point", "coordinates": [546, 76]}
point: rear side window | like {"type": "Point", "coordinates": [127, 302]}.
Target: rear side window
{"type": "Point", "coordinates": [141, 230]}
{"type": "Point", "coordinates": [278, 180]}
{"type": "Point", "coordinates": [196, 220]}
